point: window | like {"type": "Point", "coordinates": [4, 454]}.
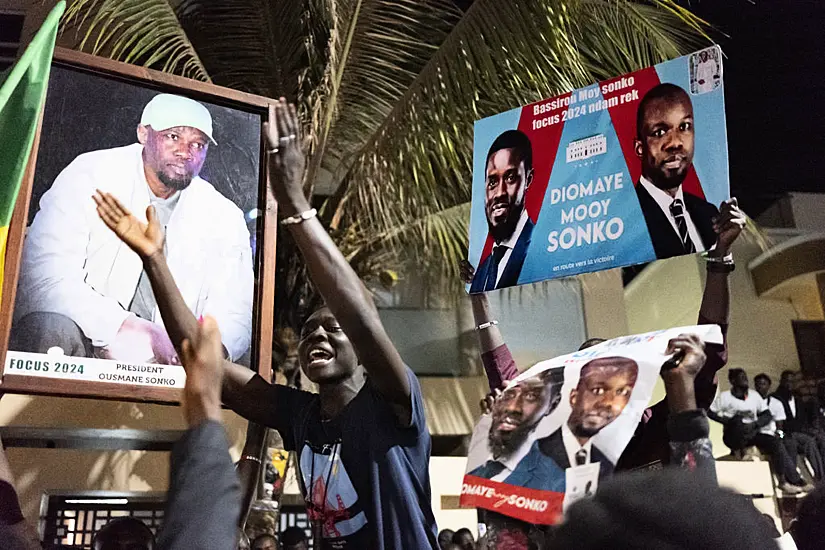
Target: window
{"type": "Point", "coordinates": [11, 30]}
{"type": "Point", "coordinates": [71, 519]}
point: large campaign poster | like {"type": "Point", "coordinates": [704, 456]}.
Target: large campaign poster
{"type": "Point", "coordinates": [558, 430]}
{"type": "Point", "coordinates": [619, 173]}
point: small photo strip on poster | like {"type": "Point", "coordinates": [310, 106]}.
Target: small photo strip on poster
{"type": "Point", "coordinates": [705, 71]}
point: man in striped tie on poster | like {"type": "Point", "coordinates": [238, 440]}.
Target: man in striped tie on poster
{"type": "Point", "coordinates": [678, 222]}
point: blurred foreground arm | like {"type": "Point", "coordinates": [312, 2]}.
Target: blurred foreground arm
{"type": "Point", "coordinates": [203, 503]}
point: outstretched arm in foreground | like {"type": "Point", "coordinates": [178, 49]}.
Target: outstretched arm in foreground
{"type": "Point", "coordinates": [204, 500]}
{"type": "Point", "coordinates": [243, 392]}
{"type": "Point", "coordinates": [332, 275]}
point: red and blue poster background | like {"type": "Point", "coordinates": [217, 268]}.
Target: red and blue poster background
{"type": "Point", "coordinates": [582, 203]}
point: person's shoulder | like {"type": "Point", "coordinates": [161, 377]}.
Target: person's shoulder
{"type": "Point", "coordinates": [116, 157]}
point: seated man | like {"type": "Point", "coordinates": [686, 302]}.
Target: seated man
{"type": "Point", "coordinates": [82, 290]}
{"type": "Point", "coordinates": [743, 413]}
{"type": "Point", "coordinates": [800, 418]}
{"type": "Point", "coordinates": [796, 443]}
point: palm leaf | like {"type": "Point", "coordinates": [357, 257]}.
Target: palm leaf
{"type": "Point", "coordinates": [501, 55]}
{"type": "Point", "coordinates": [377, 47]}
{"type": "Point", "coordinates": [142, 32]}
{"type": "Point", "coordinates": [261, 48]}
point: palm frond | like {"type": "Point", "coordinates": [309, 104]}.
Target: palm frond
{"type": "Point", "coordinates": [253, 45]}
{"type": "Point", "coordinates": [501, 55]}
{"type": "Point", "coordinates": [377, 48]}
{"type": "Point", "coordinates": [141, 32]}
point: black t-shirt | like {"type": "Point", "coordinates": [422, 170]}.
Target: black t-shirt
{"type": "Point", "coordinates": [364, 477]}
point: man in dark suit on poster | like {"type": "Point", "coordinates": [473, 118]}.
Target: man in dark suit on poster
{"type": "Point", "coordinates": [678, 222]}
{"type": "Point", "coordinates": [602, 393]}
{"type": "Point", "coordinates": [509, 172]}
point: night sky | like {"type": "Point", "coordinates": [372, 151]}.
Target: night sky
{"type": "Point", "coordinates": [774, 94]}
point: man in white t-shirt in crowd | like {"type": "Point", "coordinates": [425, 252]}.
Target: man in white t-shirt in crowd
{"type": "Point", "coordinates": [743, 413]}
{"type": "Point", "coordinates": [795, 442]}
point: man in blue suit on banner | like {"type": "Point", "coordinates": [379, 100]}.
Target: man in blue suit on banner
{"type": "Point", "coordinates": [509, 173]}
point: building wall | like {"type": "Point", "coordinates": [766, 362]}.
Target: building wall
{"type": "Point", "coordinates": [760, 337]}
{"type": "Point", "coordinates": [39, 470]}
{"type": "Point", "coordinates": [808, 211]}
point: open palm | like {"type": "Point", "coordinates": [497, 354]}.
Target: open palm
{"type": "Point", "coordinates": [146, 239]}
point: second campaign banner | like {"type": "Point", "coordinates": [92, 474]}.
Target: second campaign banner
{"type": "Point", "coordinates": [622, 172]}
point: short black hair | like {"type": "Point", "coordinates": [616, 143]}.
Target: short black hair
{"type": "Point", "coordinates": [115, 527]}
{"type": "Point", "coordinates": [293, 535]}
{"type": "Point", "coordinates": [733, 373]}
{"type": "Point", "coordinates": [514, 139]}
{"type": "Point", "coordinates": [763, 376]}
{"type": "Point", "coordinates": [461, 533]}
{"type": "Point", "coordinates": [665, 90]}
{"type": "Point", "coordinates": [552, 377]}
{"type": "Point", "coordinates": [787, 373]}
{"type": "Point", "coordinates": [590, 342]}
{"type": "Point", "coordinates": [263, 537]}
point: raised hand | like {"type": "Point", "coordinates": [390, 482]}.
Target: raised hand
{"type": "Point", "coordinates": [146, 239]}
{"type": "Point", "coordinates": [203, 360]}
{"type": "Point", "coordinates": [691, 349]}
{"type": "Point", "coordinates": [728, 225]}
{"type": "Point", "coordinates": [689, 359]}
{"type": "Point", "coordinates": [286, 156]}
{"type": "Point", "coordinates": [466, 272]}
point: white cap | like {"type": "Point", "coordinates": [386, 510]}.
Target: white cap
{"type": "Point", "coordinates": [166, 111]}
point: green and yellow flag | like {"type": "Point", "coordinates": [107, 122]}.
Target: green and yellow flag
{"type": "Point", "coordinates": [22, 93]}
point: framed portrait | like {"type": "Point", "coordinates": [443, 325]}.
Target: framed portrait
{"type": "Point", "coordinates": [79, 315]}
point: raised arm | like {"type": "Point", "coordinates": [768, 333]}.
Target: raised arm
{"type": "Point", "coordinates": [204, 500]}
{"type": "Point", "coordinates": [243, 392]}
{"type": "Point", "coordinates": [332, 275]}
{"type": "Point", "coordinates": [495, 355]}
{"type": "Point", "coordinates": [716, 299]}
{"type": "Point", "coordinates": [687, 425]}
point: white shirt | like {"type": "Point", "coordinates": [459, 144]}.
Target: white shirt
{"type": "Point", "coordinates": [728, 406]}
{"type": "Point", "coordinates": [664, 200]}
{"type": "Point", "coordinates": [705, 71]}
{"type": "Point", "coordinates": [792, 405]}
{"type": "Point", "coordinates": [777, 413]}
{"type": "Point", "coordinates": [786, 542]}
{"type": "Point", "coordinates": [511, 244]}
{"type": "Point", "coordinates": [572, 446]}
{"type": "Point", "coordinates": [75, 266]}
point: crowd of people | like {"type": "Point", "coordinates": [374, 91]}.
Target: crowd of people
{"type": "Point", "coordinates": [362, 442]}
